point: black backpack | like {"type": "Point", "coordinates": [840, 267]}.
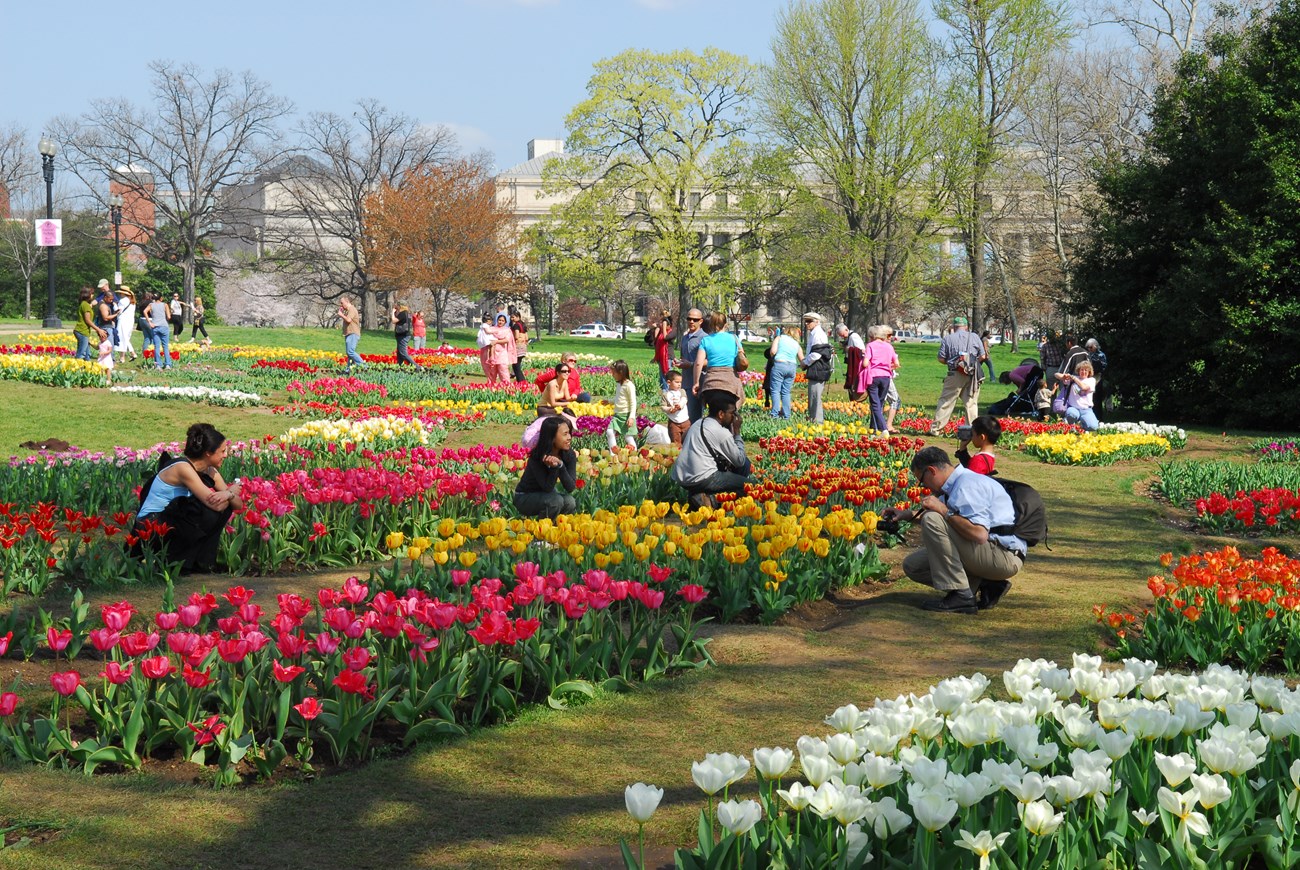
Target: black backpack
{"type": "Point", "coordinates": [650, 337]}
{"type": "Point", "coordinates": [1030, 525]}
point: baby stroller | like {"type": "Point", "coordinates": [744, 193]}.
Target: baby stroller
{"type": "Point", "coordinates": [1024, 402]}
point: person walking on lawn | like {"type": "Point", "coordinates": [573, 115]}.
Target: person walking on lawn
{"type": "Point", "coordinates": [962, 352]}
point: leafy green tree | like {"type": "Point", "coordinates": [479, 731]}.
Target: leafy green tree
{"type": "Point", "coordinates": [1190, 276]}
{"type": "Point", "coordinates": [656, 160]}
{"type": "Point", "coordinates": [854, 91]}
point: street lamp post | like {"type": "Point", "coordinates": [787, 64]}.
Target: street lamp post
{"type": "Point", "coordinates": [115, 209]}
{"type": "Point", "coordinates": [48, 149]}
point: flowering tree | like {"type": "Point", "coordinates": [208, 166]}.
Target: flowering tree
{"type": "Point", "coordinates": [440, 229]}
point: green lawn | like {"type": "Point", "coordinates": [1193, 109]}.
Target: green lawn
{"type": "Point", "coordinates": [547, 789]}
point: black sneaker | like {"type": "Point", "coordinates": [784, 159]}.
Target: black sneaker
{"type": "Point", "coordinates": [953, 602]}
{"type": "Point", "coordinates": [991, 592]}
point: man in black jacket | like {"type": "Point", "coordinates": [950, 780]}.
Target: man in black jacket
{"type": "Point", "coordinates": [817, 363]}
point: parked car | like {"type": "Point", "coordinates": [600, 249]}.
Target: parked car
{"type": "Point", "coordinates": [596, 330]}
{"type": "Point", "coordinates": [931, 339]}
{"type": "Point", "coordinates": [907, 336]}
{"type": "Point", "coordinates": [752, 337]}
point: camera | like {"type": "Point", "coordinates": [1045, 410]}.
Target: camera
{"type": "Point", "coordinates": [888, 527]}
{"type": "Point", "coordinates": [964, 432]}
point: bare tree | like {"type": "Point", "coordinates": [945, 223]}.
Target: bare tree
{"type": "Point", "coordinates": [200, 137]}
{"type": "Point", "coordinates": [315, 235]}
{"type": "Point", "coordinates": [16, 164]}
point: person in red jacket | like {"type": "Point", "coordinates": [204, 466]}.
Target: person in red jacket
{"type": "Point", "coordinates": [575, 388]}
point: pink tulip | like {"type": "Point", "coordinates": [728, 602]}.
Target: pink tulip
{"type": "Point", "coordinates": [65, 682]}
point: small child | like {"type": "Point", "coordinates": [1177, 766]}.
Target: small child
{"type": "Point", "coordinates": [984, 433]}
{"type": "Point", "coordinates": [674, 405]}
{"type": "Point", "coordinates": [623, 424]}
{"type": "Point", "coordinates": [106, 359]}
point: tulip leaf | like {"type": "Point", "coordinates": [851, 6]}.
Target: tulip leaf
{"type": "Point", "coordinates": [558, 700]}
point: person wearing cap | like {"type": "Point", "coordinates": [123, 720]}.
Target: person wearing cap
{"type": "Point", "coordinates": [962, 352]}
{"type": "Point", "coordinates": [125, 323]}
{"type": "Point", "coordinates": [817, 363]}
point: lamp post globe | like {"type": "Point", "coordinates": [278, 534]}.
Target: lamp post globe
{"type": "Point", "coordinates": [48, 149]}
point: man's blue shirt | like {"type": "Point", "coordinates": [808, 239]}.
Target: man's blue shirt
{"type": "Point", "coordinates": [982, 500]}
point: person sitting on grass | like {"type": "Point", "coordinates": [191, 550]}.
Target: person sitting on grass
{"type": "Point", "coordinates": [551, 461]}
{"type": "Point", "coordinates": [1078, 404]}
{"type": "Point", "coordinates": [712, 459]}
{"type": "Point", "coordinates": [623, 424]}
{"type": "Point", "coordinates": [982, 435]}
{"type": "Point", "coordinates": [960, 555]}
{"type": "Point", "coordinates": [190, 497]}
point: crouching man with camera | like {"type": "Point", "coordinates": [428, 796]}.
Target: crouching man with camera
{"type": "Point", "coordinates": [967, 551]}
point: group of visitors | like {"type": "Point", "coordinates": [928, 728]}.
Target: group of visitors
{"type": "Point", "coordinates": [503, 345]}
{"type": "Point", "coordinates": [107, 318]}
{"type": "Point", "coordinates": [870, 371]}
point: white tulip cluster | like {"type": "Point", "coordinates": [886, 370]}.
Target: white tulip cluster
{"type": "Point", "coordinates": [1173, 743]}
{"type": "Point", "coordinates": [367, 431]}
{"type": "Point", "coordinates": [1176, 437]}
{"type": "Point", "coordinates": [207, 395]}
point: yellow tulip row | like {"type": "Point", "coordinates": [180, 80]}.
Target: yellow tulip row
{"type": "Point", "coordinates": [1079, 448]}
{"type": "Point", "coordinates": [470, 406]}
{"type": "Point", "coordinates": [748, 529]}
{"type": "Point", "coordinates": [40, 368]}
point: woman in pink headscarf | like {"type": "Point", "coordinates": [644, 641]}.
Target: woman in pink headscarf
{"type": "Point", "coordinates": [503, 351]}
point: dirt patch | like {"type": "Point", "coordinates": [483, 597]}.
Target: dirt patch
{"type": "Point", "coordinates": [656, 857]}
{"type": "Point", "coordinates": [20, 834]}
{"type": "Point", "coordinates": [49, 445]}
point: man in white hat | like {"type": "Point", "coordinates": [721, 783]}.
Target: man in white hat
{"type": "Point", "coordinates": [817, 363]}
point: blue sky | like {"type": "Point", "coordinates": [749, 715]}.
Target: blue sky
{"type": "Point", "coordinates": [498, 72]}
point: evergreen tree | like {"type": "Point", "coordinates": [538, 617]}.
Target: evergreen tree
{"type": "Point", "coordinates": [1190, 276]}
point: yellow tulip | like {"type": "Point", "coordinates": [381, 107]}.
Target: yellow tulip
{"type": "Point", "coordinates": [575, 552]}
{"type": "Point", "coordinates": [395, 540]}
{"type": "Point", "coordinates": [440, 557]}
{"type": "Point", "coordinates": [468, 558]}
{"type": "Point", "coordinates": [413, 553]}
{"type": "Point", "coordinates": [446, 528]}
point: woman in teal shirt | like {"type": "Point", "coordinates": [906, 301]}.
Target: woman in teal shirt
{"type": "Point", "coordinates": [719, 351]}
{"type": "Point", "coordinates": [785, 352]}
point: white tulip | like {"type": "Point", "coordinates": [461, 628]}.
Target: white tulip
{"type": "Point", "coordinates": [735, 766]}
{"type": "Point", "coordinates": [928, 772]}
{"type": "Point", "coordinates": [934, 811]}
{"type": "Point", "coordinates": [855, 843]}
{"type": "Point", "coordinates": [1175, 768]}
{"type": "Point", "coordinates": [969, 790]}
{"type": "Point", "coordinates": [846, 719]}
{"type": "Point", "coordinates": [642, 800]}
{"type": "Point", "coordinates": [773, 763]}
{"type": "Point", "coordinates": [798, 795]}
{"type": "Point", "coordinates": [1115, 744]}
{"type": "Point", "coordinates": [886, 818]}
{"type": "Point", "coordinates": [879, 771]}
{"type": "Point", "coordinates": [1242, 714]}
{"type": "Point", "coordinates": [843, 748]}
{"type": "Point", "coordinates": [818, 769]}
{"type": "Point", "coordinates": [1211, 790]}
{"type": "Point", "coordinates": [1062, 790]}
{"type": "Point", "coordinates": [1141, 669]}
{"type": "Point", "coordinates": [982, 844]}
{"type": "Point", "coordinates": [1145, 817]}
{"type": "Point", "coordinates": [1028, 788]}
{"type": "Point", "coordinates": [710, 778]}
{"type": "Point", "coordinates": [1039, 819]}
{"type": "Point", "coordinates": [739, 817]}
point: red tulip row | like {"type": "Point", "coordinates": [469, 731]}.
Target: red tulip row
{"type": "Point", "coordinates": [1273, 509]}
{"type": "Point", "coordinates": [218, 681]}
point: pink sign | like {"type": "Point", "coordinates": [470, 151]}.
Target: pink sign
{"type": "Point", "coordinates": [49, 233]}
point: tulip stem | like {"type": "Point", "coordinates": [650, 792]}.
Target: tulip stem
{"type": "Point", "coordinates": [640, 836]}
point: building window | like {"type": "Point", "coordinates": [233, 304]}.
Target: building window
{"type": "Point", "coordinates": [695, 202]}
{"type": "Point", "coordinates": [642, 202]}
{"type": "Point", "coordinates": [720, 201]}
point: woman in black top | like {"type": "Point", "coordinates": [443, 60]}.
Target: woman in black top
{"type": "Point", "coordinates": [402, 332]}
{"type": "Point", "coordinates": [551, 461]}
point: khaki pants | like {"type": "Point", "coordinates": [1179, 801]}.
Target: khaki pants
{"type": "Point", "coordinates": [948, 562]}
{"type": "Point", "coordinates": [956, 385]}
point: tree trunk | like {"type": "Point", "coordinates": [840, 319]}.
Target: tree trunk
{"type": "Point", "coordinates": [27, 304]}
{"type": "Point", "coordinates": [439, 306]}
{"type": "Point", "coordinates": [999, 257]}
{"type": "Point", "coordinates": [187, 296]}
{"type": "Point", "coordinates": [369, 306]}
{"type": "Point", "coordinates": [975, 255]}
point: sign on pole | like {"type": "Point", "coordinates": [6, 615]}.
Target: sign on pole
{"type": "Point", "coordinates": [117, 279]}
{"type": "Point", "coordinates": [49, 233]}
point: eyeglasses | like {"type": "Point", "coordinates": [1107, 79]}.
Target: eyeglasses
{"type": "Point", "coordinates": [694, 319]}
{"type": "Point", "coordinates": [564, 371]}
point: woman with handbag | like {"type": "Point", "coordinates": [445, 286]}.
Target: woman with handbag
{"type": "Point", "coordinates": [722, 354]}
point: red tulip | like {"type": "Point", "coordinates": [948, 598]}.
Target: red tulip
{"type": "Point", "coordinates": [356, 658]}
{"type": "Point", "coordinates": [115, 673]}
{"type": "Point", "coordinates": [308, 709]}
{"type": "Point", "coordinates": [139, 643]}
{"type": "Point", "coordinates": [65, 682]}
{"type": "Point", "coordinates": [693, 593]}
{"type": "Point", "coordinates": [286, 675]}
{"type": "Point", "coordinates": [208, 731]}
{"type": "Point", "coordinates": [104, 639]}
{"type": "Point", "coordinates": [157, 667]}
{"type": "Point", "coordinates": [8, 703]}
{"type": "Point", "coordinates": [116, 616]}
{"type": "Point", "coordinates": [189, 614]}
{"type": "Point", "coordinates": [167, 621]}
{"type": "Point", "coordinates": [238, 596]}
{"type": "Point", "coordinates": [196, 679]}
{"type": "Point", "coordinates": [658, 574]}
{"type": "Point", "coordinates": [354, 590]}
{"type": "Point", "coordinates": [460, 577]}
{"type": "Point", "coordinates": [233, 649]}
{"type": "Point", "coordinates": [58, 639]}
{"type": "Point", "coordinates": [4, 642]}
{"type": "Point", "coordinates": [326, 643]}
{"type": "Point", "coordinates": [353, 682]}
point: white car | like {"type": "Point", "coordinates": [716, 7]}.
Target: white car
{"type": "Point", "coordinates": [907, 336]}
{"type": "Point", "coordinates": [596, 330]}
{"type": "Point", "coordinates": [751, 337]}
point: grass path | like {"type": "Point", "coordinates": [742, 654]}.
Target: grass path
{"type": "Point", "coordinates": [546, 790]}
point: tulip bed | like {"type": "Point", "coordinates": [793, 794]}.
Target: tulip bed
{"type": "Point", "coordinates": [50, 369]}
{"type": "Point", "coordinates": [1217, 607]}
{"type": "Point", "coordinates": [1082, 767]}
{"type": "Point", "coordinates": [1277, 449]}
{"type": "Point", "coordinates": [1236, 498]}
{"type": "Point", "coordinates": [205, 395]}
{"type": "Point", "coordinates": [1093, 448]}
{"type": "Point", "coordinates": [223, 684]}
